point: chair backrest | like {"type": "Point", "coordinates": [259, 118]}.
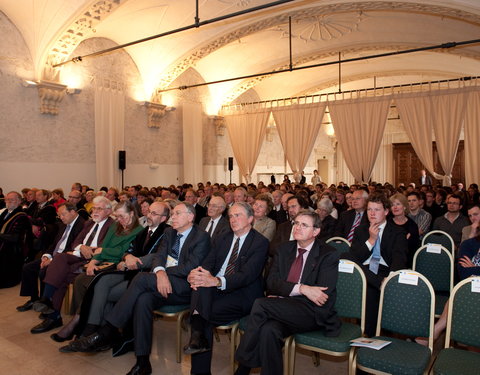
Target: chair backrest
{"type": "Point", "coordinates": [440, 237]}
{"type": "Point", "coordinates": [407, 305]}
{"type": "Point", "coordinates": [351, 291]}
{"type": "Point", "coordinates": [463, 313]}
{"type": "Point", "coordinates": [436, 264]}
{"type": "Point", "coordinates": [340, 244]}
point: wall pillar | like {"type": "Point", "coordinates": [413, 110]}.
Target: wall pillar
{"type": "Point", "coordinates": [192, 142]}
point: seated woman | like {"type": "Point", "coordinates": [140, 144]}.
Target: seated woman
{"type": "Point", "coordinates": [116, 242]}
{"type": "Point", "coordinates": [261, 223]}
{"type": "Point", "coordinates": [468, 264]}
{"type": "Point", "coordinates": [108, 287]}
{"type": "Point", "coordinates": [400, 211]}
{"type": "Point", "coordinates": [324, 210]}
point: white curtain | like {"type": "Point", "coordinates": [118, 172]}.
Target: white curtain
{"type": "Point", "coordinates": [448, 117]}
{"type": "Point", "coordinates": [247, 132]}
{"type": "Point", "coordinates": [298, 127]}
{"type": "Point", "coordinates": [359, 126]}
{"type": "Point", "coordinates": [442, 112]}
{"type": "Point", "coordinates": [472, 138]}
{"type": "Point", "coordinates": [109, 131]}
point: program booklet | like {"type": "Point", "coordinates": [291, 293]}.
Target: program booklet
{"type": "Point", "coordinates": [369, 343]}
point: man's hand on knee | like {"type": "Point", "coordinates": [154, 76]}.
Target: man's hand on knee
{"type": "Point", "coordinates": [163, 284]}
{"type": "Point", "coordinates": [315, 294]}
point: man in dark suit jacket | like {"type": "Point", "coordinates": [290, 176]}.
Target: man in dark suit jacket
{"type": "Point", "coordinates": [65, 266]}
{"type": "Point", "coordinates": [191, 196]}
{"type": "Point", "coordinates": [215, 224]}
{"type": "Point", "coordinates": [284, 232]}
{"type": "Point", "coordinates": [303, 277]}
{"type": "Point", "coordinates": [226, 285]}
{"type": "Point", "coordinates": [424, 179]}
{"type": "Point", "coordinates": [347, 218]}
{"type": "Point", "coordinates": [107, 288]}
{"type": "Point", "coordinates": [393, 253]}
{"type": "Point", "coordinates": [278, 213]}
{"type": "Point", "coordinates": [183, 248]}
{"type": "Point", "coordinates": [69, 228]}
{"type": "Point", "coordinates": [44, 226]}
{"type": "Point", "coordinates": [15, 231]}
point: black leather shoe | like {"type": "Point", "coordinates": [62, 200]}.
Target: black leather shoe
{"type": "Point", "coordinates": [88, 344]}
{"type": "Point", "coordinates": [26, 306]}
{"type": "Point", "coordinates": [140, 370]}
{"type": "Point", "coordinates": [197, 344]}
{"type": "Point", "coordinates": [42, 316]}
{"type": "Point", "coordinates": [47, 325]}
{"type": "Point", "coordinates": [57, 338]}
{"type": "Point", "coordinates": [43, 305]}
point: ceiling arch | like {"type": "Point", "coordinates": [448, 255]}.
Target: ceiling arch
{"type": "Point", "coordinates": [201, 52]}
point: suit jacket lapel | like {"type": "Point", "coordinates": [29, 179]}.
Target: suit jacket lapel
{"type": "Point", "coordinates": [311, 262]}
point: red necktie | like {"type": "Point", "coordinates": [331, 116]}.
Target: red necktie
{"type": "Point", "coordinates": [296, 268]}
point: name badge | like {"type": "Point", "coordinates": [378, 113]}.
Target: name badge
{"type": "Point", "coordinates": [171, 262]}
{"type": "Point", "coordinates": [408, 278]}
{"type": "Point", "coordinates": [434, 248]}
{"type": "Point", "coordinates": [476, 285]}
{"type": "Point", "coordinates": [345, 266]}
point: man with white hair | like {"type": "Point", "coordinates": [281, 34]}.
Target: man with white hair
{"type": "Point", "coordinates": [351, 219]}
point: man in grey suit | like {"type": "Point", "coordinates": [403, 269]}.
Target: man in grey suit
{"type": "Point", "coordinates": [182, 249]}
{"type": "Point", "coordinates": [215, 224]}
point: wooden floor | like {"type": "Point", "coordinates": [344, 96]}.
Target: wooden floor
{"type": "Point", "coordinates": [22, 353]}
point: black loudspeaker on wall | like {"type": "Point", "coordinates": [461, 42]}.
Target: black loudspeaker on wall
{"type": "Point", "coordinates": [122, 160]}
{"type": "Point", "coordinates": [230, 163]}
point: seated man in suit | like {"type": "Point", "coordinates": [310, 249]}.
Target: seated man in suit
{"type": "Point", "coordinates": [227, 283]}
{"type": "Point", "coordinates": [109, 287]}
{"type": "Point", "coordinates": [284, 233]}
{"type": "Point", "coordinates": [349, 220]}
{"type": "Point", "coordinates": [71, 225]}
{"type": "Point", "coordinates": [75, 197]}
{"type": "Point", "coordinates": [301, 290]}
{"type": "Point", "coordinates": [182, 249]}
{"type": "Point", "coordinates": [278, 213]}
{"type": "Point", "coordinates": [65, 266]}
{"type": "Point", "coordinates": [44, 228]}
{"type": "Point", "coordinates": [215, 224]}
{"type": "Point", "coordinates": [379, 247]}
{"type": "Point", "coordinates": [191, 197]}
{"type": "Point", "coordinates": [15, 233]}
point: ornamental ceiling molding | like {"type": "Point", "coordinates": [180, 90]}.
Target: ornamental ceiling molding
{"type": "Point", "coordinates": [323, 27]}
{"type": "Point", "coordinates": [193, 57]}
{"type": "Point", "coordinates": [80, 29]}
{"type": "Point", "coordinates": [252, 82]}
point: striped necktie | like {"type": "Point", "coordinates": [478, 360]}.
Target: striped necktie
{"type": "Point", "coordinates": [356, 223]}
{"type": "Point", "coordinates": [233, 258]}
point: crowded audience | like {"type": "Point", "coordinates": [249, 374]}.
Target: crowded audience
{"type": "Point", "coordinates": [212, 246]}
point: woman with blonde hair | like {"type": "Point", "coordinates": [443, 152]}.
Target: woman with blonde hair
{"type": "Point", "coordinates": [400, 211]}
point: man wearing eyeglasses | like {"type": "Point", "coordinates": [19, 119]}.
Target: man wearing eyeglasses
{"type": "Point", "coordinates": [107, 288]}
{"type": "Point", "coordinates": [301, 293]}
{"type": "Point", "coordinates": [75, 198]}
{"type": "Point", "coordinates": [215, 224]}
{"type": "Point", "coordinates": [183, 248]}
{"type": "Point", "coordinates": [226, 285]}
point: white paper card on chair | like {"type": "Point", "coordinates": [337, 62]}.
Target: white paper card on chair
{"type": "Point", "coordinates": [345, 266]}
{"type": "Point", "coordinates": [434, 248]}
{"type": "Point", "coordinates": [476, 285]}
{"type": "Point", "coordinates": [408, 278]}
{"type": "Point", "coordinates": [365, 342]}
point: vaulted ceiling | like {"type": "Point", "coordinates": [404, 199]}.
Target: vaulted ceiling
{"type": "Point", "coordinates": [257, 42]}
